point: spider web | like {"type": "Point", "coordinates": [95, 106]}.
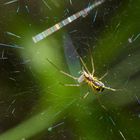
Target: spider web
{"type": "Point", "coordinates": [34, 102]}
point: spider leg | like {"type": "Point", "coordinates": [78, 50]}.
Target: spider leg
{"type": "Point", "coordinates": [109, 88]}
{"type": "Point", "coordinates": [86, 95]}
{"type": "Point", "coordinates": [72, 85]}
{"type": "Point", "coordinates": [63, 72]}
{"type": "Point", "coordinates": [84, 65]}
{"type": "Point", "coordinates": [92, 62]}
{"type": "Point", "coordinates": [71, 76]}
{"type": "Point", "coordinates": [103, 76]}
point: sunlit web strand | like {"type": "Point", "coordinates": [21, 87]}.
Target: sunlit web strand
{"type": "Point", "coordinates": [9, 2]}
{"type": "Point", "coordinates": [66, 21]}
{"type": "Point", "coordinates": [10, 46]}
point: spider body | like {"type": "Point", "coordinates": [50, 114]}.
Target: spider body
{"type": "Point", "coordinates": [92, 81]}
{"type": "Point", "coordinates": [86, 77]}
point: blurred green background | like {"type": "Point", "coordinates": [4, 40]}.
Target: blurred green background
{"type": "Point", "coordinates": [35, 104]}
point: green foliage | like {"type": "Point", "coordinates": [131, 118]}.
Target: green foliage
{"type": "Point", "coordinates": [44, 107]}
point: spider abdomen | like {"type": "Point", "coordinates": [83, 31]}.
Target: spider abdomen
{"type": "Point", "coordinates": [93, 82]}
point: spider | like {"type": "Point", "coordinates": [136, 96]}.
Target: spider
{"type": "Point", "coordinates": [86, 77]}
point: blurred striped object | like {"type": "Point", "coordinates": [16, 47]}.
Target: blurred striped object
{"type": "Point", "coordinates": [66, 21]}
